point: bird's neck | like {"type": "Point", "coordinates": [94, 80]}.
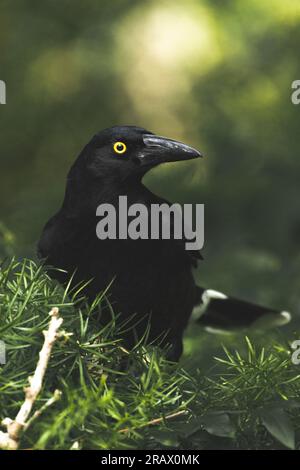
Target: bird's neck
{"type": "Point", "coordinates": [82, 196]}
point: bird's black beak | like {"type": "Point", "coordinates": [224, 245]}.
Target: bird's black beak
{"type": "Point", "coordinates": [161, 150]}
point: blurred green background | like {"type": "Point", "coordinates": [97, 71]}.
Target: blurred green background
{"type": "Point", "coordinates": [216, 74]}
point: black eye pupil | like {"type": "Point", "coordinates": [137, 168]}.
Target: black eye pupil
{"type": "Point", "coordinates": [120, 147]}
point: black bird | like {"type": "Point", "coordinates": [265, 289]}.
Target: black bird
{"type": "Point", "coordinates": [150, 279]}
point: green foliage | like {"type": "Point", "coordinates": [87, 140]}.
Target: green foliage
{"type": "Point", "coordinates": [250, 401]}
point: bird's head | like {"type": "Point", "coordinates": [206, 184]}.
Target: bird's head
{"type": "Point", "coordinates": [128, 152]}
{"type": "Point", "coordinates": [114, 160]}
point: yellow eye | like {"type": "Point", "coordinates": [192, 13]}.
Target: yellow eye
{"type": "Point", "coordinates": [120, 147]}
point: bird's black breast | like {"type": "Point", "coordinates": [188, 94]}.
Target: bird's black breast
{"type": "Point", "coordinates": [147, 276]}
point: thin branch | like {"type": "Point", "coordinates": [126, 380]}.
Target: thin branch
{"type": "Point", "coordinates": [56, 396]}
{"type": "Point", "coordinates": [10, 439]}
{"type": "Point", "coordinates": [155, 421]}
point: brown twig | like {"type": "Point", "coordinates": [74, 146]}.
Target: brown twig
{"type": "Point", "coordinates": [10, 439]}
{"type": "Point", "coordinates": [56, 396]}
{"type": "Point", "coordinates": [155, 421]}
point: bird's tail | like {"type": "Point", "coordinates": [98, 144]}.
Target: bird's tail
{"type": "Point", "coordinates": [216, 310]}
